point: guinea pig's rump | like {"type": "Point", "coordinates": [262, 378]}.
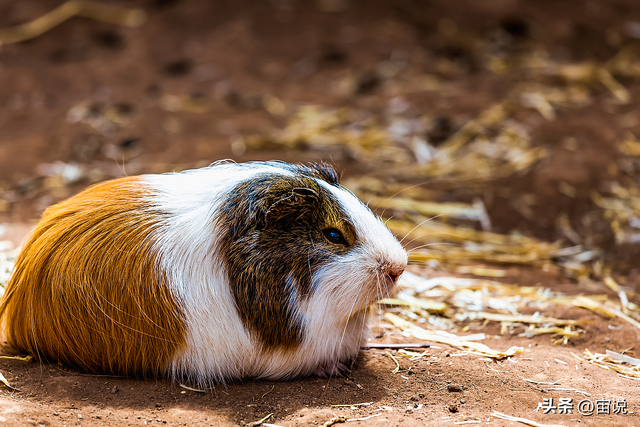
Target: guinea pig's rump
{"type": "Point", "coordinates": [86, 290]}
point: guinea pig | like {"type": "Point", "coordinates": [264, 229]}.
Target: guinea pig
{"type": "Point", "coordinates": [250, 270]}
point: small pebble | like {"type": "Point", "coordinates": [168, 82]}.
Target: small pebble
{"type": "Point", "coordinates": [454, 388]}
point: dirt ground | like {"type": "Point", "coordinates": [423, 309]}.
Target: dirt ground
{"type": "Point", "coordinates": [198, 75]}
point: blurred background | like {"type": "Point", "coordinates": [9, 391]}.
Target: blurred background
{"type": "Point", "coordinates": [516, 117]}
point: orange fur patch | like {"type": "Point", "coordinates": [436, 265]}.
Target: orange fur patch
{"type": "Point", "coordinates": [87, 289]}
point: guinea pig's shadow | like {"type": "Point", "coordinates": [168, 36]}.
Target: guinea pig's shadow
{"type": "Point", "coordinates": [63, 389]}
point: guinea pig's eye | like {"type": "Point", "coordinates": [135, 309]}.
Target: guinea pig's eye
{"type": "Point", "coordinates": [334, 236]}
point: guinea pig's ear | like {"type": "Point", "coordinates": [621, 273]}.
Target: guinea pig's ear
{"type": "Point", "coordinates": [293, 206]}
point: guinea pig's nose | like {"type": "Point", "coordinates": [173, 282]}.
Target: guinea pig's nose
{"type": "Point", "coordinates": [394, 272]}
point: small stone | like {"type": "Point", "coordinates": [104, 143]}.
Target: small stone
{"type": "Point", "coordinates": [414, 398]}
{"type": "Point", "coordinates": [453, 408]}
{"type": "Point", "coordinates": [454, 388]}
{"type": "Point", "coordinates": [462, 401]}
{"type": "Point", "coordinates": [80, 416]}
{"type": "Point", "coordinates": [179, 68]}
{"type": "Point", "coordinates": [114, 390]}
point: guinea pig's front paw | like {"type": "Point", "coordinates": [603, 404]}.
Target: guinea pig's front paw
{"type": "Point", "coordinates": [335, 369]}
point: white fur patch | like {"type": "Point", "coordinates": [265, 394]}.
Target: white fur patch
{"type": "Point", "coordinates": [218, 345]}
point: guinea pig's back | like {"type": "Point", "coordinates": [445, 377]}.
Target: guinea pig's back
{"type": "Point", "coordinates": [87, 289]}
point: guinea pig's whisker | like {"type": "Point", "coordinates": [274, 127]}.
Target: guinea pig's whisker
{"type": "Point", "coordinates": [363, 327]}
{"type": "Point", "coordinates": [398, 192]}
{"type": "Point", "coordinates": [438, 233]}
{"type": "Point", "coordinates": [344, 331]}
{"type": "Point", "coordinates": [422, 236]}
{"type": "Point", "coordinates": [414, 228]}
{"type": "Point", "coordinates": [381, 295]}
{"type": "Point", "coordinates": [438, 266]}
{"type": "Point", "coordinates": [433, 244]}
{"type": "Point", "coordinates": [429, 234]}
{"type": "Point", "coordinates": [123, 168]}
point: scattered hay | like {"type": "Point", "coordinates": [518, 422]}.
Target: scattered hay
{"type": "Point", "coordinates": [352, 405]}
{"type": "Point", "coordinates": [625, 366]}
{"type": "Point", "coordinates": [335, 420]}
{"type": "Point", "coordinates": [27, 358]}
{"type": "Point", "coordinates": [4, 381]}
{"type": "Point", "coordinates": [440, 301]}
{"type": "Point", "coordinates": [260, 421]}
{"type": "Point", "coordinates": [192, 389]}
{"type": "Point", "coordinates": [397, 368]}
{"type": "Point", "coordinates": [523, 420]}
{"type": "Point", "coordinates": [88, 9]}
{"type": "Point", "coordinates": [450, 339]}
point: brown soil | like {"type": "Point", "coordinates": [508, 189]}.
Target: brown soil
{"type": "Point", "coordinates": [230, 54]}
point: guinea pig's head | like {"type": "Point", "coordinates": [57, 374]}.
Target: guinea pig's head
{"type": "Point", "coordinates": [295, 243]}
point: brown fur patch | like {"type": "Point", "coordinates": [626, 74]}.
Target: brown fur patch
{"type": "Point", "coordinates": [87, 289]}
{"type": "Point", "coordinates": [272, 244]}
